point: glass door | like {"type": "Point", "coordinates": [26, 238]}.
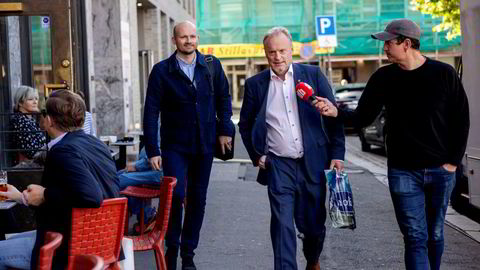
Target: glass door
{"type": "Point", "coordinates": [35, 51]}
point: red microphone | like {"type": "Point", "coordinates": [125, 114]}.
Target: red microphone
{"type": "Point", "coordinates": [305, 92]}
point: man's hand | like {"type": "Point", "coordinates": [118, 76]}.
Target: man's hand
{"type": "Point", "coordinates": [449, 167]}
{"type": "Point", "coordinates": [337, 164]}
{"type": "Point", "coordinates": [12, 193]}
{"type": "Point", "coordinates": [325, 107]}
{"type": "Point", "coordinates": [156, 163]}
{"type": "Point", "coordinates": [34, 194]}
{"type": "Point", "coordinates": [225, 142]}
{"type": "Point", "coordinates": [262, 162]}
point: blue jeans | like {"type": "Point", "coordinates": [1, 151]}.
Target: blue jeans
{"type": "Point", "coordinates": [420, 199]}
{"type": "Point", "coordinates": [142, 175]}
{"type": "Point", "coordinates": [16, 252]}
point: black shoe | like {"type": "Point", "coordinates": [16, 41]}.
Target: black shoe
{"type": "Point", "coordinates": [187, 264]}
{"type": "Point", "coordinates": [171, 259]}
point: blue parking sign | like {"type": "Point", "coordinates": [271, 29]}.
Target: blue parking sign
{"type": "Point", "coordinates": [326, 31]}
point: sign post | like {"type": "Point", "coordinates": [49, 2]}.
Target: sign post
{"type": "Point", "coordinates": [326, 29]}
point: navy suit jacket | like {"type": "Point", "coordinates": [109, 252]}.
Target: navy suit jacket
{"type": "Point", "coordinates": [188, 112]}
{"type": "Point", "coordinates": [317, 131]}
{"type": "Point", "coordinates": [79, 173]}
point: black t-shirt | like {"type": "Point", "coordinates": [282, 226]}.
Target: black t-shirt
{"type": "Point", "coordinates": [426, 112]}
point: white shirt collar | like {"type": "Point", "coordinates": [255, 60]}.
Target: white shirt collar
{"type": "Point", "coordinates": [289, 71]}
{"type": "Point", "coordinates": [56, 140]}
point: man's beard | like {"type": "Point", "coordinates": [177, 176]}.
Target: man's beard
{"type": "Point", "coordinates": [187, 52]}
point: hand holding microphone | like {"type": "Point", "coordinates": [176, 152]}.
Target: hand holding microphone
{"type": "Point", "coordinates": [323, 105]}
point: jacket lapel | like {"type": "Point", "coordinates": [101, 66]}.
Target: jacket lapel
{"type": "Point", "coordinates": [299, 76]}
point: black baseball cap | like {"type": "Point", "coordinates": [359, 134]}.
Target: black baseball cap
{"type": "Point", "coordinates": [395, 28]}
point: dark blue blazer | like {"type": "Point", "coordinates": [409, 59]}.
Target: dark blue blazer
{"type": "Point", "coordinates": [318, 132]}
{"type": "Point", "coordinates": [79, 173]}
{"type": "Point", "coordinates": [188, 113]}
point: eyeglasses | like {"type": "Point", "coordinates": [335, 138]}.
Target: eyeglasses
{"type": "Point", "coordinates": [44, 112]}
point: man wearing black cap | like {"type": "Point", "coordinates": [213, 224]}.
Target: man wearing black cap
{"type": "Point", "coordinates": [427, 129]}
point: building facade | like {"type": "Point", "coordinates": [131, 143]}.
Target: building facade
{"type": "Point", "coordinates": [102, 48]}
{"type": "Point", "coordinates": [233, 30]}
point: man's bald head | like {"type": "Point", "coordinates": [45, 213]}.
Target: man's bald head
{"type": "Point", "coordinates": [182, 24]}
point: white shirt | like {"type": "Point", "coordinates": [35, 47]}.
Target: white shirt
{"type": "Point", "coordinates": [284, 133]}
{"type": "Point", "coordinates": [88, 124]}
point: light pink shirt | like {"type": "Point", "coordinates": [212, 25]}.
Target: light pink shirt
{"type": "Point", "coordinates": [284, 134]}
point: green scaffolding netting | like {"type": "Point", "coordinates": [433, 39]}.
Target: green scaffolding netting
{"type": "Point", "coordinates": [246, 21]}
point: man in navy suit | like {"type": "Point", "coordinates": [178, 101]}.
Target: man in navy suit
{"type": "Point", "coordinates": [79, 173]}
{"type": "Point", "coordinates": [292, 144]}
{"type": "Point", "coordinates": [189, 98]}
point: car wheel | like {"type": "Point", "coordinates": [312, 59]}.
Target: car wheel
{"type": "Point", "coordinates": [365, 146]}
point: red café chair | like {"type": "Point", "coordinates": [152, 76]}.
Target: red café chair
{"type": "Point", "coordinates": [98, 231]}
{"type": "Point", "coordinates": [88, 262]}
{"type": "Point", "coordinates": [154, 239]}
{"type": "Point", "coordinates": [52, 242]}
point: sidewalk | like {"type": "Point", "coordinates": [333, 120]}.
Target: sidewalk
{"type": "Point", "coordinates": [378, 168]}
{"type": "Point", "coordinates": [235, 234]}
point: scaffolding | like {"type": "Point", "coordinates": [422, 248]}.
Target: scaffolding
{"type": "Point", "coordinates": [245, 22]}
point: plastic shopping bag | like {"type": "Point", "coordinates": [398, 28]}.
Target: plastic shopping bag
{"type": "Point", "coordinates": [341, 209]}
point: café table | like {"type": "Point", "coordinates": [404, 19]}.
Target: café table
{"type": "Point", "coordinates": [121, 162]}
{"type": "Point", "coordinates": [5, 205]}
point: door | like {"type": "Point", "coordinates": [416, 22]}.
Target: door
{"type": "Point", "coordinates": [36, 51]}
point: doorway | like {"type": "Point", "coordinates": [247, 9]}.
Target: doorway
{"type": "Point", "coordinates": [36, 51]}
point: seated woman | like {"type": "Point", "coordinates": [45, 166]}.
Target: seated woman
{"type": "Point", "coordinates": [27, 136]}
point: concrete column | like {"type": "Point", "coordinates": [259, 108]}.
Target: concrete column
{"type": "Point", "coordinates": [91, 60]}
{"type": "Point", "coordinates": [152, 38]}
{"type": "Point", "coordinates": [112, 64]}
{"type": "Point", "coordinates": [135, 106]}
{"type": "Point", "coordinates": [15, 62]}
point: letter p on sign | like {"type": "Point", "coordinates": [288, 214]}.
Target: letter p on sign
{"type": "Point", "coordinates": [324, 24]}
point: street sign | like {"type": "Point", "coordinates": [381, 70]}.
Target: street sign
{"type": "Point", "coordinates": [45, 22]}
{"type": "Point", "coordinates": [325, 26]}
{"type": "Point", "coordinates": [307, 51]}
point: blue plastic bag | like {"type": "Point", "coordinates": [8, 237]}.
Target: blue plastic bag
{"type": "Point", "coordinates": [340, 208]}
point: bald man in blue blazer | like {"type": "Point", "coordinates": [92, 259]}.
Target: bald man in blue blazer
{"type": "Point", "coordinates": [292, 144]}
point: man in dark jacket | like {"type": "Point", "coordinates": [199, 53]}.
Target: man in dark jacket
{"type": "Point", "coordinates": [427, 130]}
{"type": "Point", "coordinates": [189, 98]}
{"type": "Point", "coordinates": [79, 173]}
{"type": "Point", "coordinates": [292, 144]}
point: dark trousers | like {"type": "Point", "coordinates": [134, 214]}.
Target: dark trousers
{"type": "Point", "coordinates": [193, 173]}
{"type": "Point", "coordinates": [294, 198]}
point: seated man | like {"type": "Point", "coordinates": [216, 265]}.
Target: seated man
{"type": "Point", "coordinates": [140, 173]}
{"type": "Point", "coordinates": [79, 172]}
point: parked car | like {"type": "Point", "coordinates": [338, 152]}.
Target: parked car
{"type": "Point", "coordinates": [347, 96]}
{"type": "Point", "coordinates": [374, 134]}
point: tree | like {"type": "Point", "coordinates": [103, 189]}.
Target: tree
{"type": "Point", "coordinates": [448, 9]}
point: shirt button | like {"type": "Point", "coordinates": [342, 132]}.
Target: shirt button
{"type": "Point", "coordinates": [296, 139]}
{"type": "Point", "coordinates": [293, 125]}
